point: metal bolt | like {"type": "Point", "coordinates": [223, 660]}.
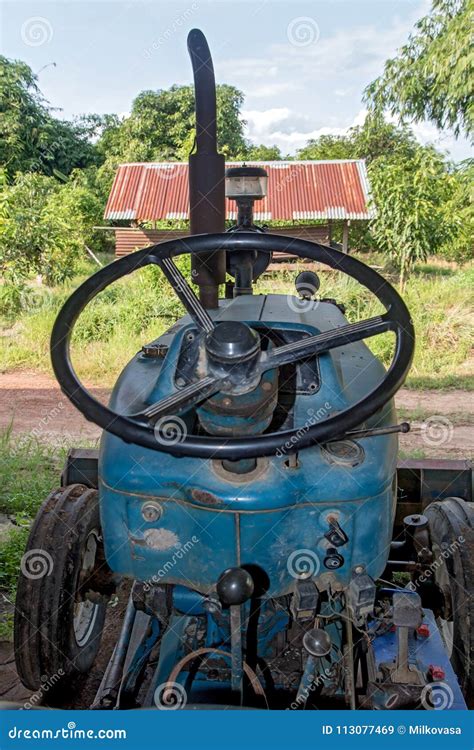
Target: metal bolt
{"type": "Point", "coordinates": [359, 569]}
{"type": "Point", "coordinates": [226, 401]}
{"type": "Point", "coordinates": [151, 512]}
{"type": "Point", "coordinates": [266, 386]}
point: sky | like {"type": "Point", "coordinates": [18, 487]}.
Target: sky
{"type": "Point", "coordinates": [302, 66]}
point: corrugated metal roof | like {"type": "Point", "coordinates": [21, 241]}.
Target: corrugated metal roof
{"type": "Point", "coordinates": [337, 189]}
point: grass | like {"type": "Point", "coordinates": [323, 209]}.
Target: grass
{"type": "Point", "coordinates": [138, 309]}
{"type": "Point", "coordinates": [419, 414]}
{"type": "Point", "coordinates": [30, 470]}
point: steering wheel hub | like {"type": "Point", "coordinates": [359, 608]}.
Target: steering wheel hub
{"type": "Point", "coordinates": [232, 341]}
{"type": "Point", "coordinates": [233, 352]}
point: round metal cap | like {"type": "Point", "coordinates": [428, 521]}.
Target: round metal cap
{"type": "Point", "coordinates": [317, 642]}
{"type": "Point", "coordinates": [245, 171]}
{"type": "Point", "coordinates": [232, 340]}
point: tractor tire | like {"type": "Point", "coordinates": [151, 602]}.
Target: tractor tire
{"type": "Point", "coordinates": [451, 526]}
{"type": "Point", "coordinates": [56, 633]}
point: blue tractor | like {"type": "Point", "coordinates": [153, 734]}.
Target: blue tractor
{"type": "Point", "coordinates": [246, 486]}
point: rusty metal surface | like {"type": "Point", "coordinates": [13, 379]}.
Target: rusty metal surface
{"type": "Point", "coordinates": [303, 190]}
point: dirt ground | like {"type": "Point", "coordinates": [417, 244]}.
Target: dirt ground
{"type": "Point", "coordinates": [442, 422]}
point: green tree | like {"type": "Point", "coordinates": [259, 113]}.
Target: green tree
{"type": "Point", "coordinates": [409, 197]}
{"type": "Point", "coordinates": [432, 76]}
{"type": "Point", "coordinates": [31, 139]}
{"type": "Point", "coordinates": [161, 126]}
{"type": "Point", "coordinates": [328, 147]}
{"type": "Point", "coordinates": [43, 226]}
{"type": "Point", "coordinates": [457, 213]}
{"type": "Point", "coordinates": [371, 141]}
{"type": "Point", "coordinates": [261, 153]}
{"type": "Point", "coordinates": [368, 141]}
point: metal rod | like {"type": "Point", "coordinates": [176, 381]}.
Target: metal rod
{"type": "Point", "coordinates": [350, 663]}
{"type": "Point", "coordinates": [109, 687]}
{"type": "Point", "coordinates": [206, 174]}
{"type": "Point", "coordinates": [236, 648]}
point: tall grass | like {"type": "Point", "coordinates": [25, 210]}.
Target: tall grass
{"type": "Point", "coordinates": [30, 470]}
{"type": "Point", "coordinates": [141, 307]}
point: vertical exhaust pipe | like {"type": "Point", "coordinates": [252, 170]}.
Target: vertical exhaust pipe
{"type": "Point", "coordinates": [206, 173]}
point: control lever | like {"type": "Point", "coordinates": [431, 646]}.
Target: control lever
{"type": "Point", "coordinates": [234, 587]}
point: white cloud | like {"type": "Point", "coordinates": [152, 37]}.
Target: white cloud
{"type": "Point", "coordinates": [280, 127]}
{"type": "Point", "coordinates": [271, 89]}
{"type": "Point", "coordinates": [291, 131]}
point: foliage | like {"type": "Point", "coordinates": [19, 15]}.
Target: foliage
{"type": "Point", "coordinates": [43, 226]}
{"type": "Point", "coordinates": [30, 470]}
{"type": "Point", "coordinates": [374, 138]}
{"type": "Point", "coordinates": [409, 196]}
{"type": "Point", "coordinates": [140, 308]}
{"type": "Point", "coordinates": [422, 202]}
{"type": "Point", "coordinates": [31, 139]}
{"type": "Point", "coordinates": [160, 126]}
{"type": "Point", "coordinates": [431, 77]}
{"type": "Point", "coordinates": [261, 153]}
{"type": "Point", "coordinates": [457, 214]}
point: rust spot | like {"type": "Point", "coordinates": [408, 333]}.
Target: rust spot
{"type": "Point", "coordinates": [206, 498]}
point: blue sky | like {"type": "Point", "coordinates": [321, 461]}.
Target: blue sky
{"type": "Point", "coordinates": [301, 65]}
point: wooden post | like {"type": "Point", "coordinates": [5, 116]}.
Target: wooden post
{"type": "Point", "coordinates": [329, 231]}
{"type": "Point", "coordinates": [345, 237]}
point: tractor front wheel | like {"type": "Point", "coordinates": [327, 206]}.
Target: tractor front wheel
{"type": "Point", "coordinates": [451, 525]}
{"type": "Point", "coordinates": [58, 620]}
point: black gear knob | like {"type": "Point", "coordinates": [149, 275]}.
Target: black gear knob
{"type": "Point", "coordinates": [307, 284]}
{"type": "Point", "coordinates": [235, 586]}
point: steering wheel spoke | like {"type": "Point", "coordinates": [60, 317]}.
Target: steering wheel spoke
{"type": "Point", "coordinates": [324, 342]}
{"type": "Point", "coordinates": [181, 400]}
{"type": "Point", "coordinates": [186, 295]}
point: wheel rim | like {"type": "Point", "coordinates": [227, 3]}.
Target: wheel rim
{"type": "Point", "coordinates": [85, 612]}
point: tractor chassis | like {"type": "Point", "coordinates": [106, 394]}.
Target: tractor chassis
{"type": "Point", "coordinates": [151, 620]}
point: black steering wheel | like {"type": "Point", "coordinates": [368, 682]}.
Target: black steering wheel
{"type": "Point", "coordinates": [221, 353]}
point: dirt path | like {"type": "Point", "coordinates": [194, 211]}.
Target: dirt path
{"type": "Point", "coordinates": [32, 403]}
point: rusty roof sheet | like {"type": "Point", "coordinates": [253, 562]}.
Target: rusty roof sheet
{"type": "Point", "coordinates": [297, 190]}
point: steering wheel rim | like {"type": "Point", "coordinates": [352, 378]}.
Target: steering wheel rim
{"type": "Point", "coordinates": [132, 431]}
